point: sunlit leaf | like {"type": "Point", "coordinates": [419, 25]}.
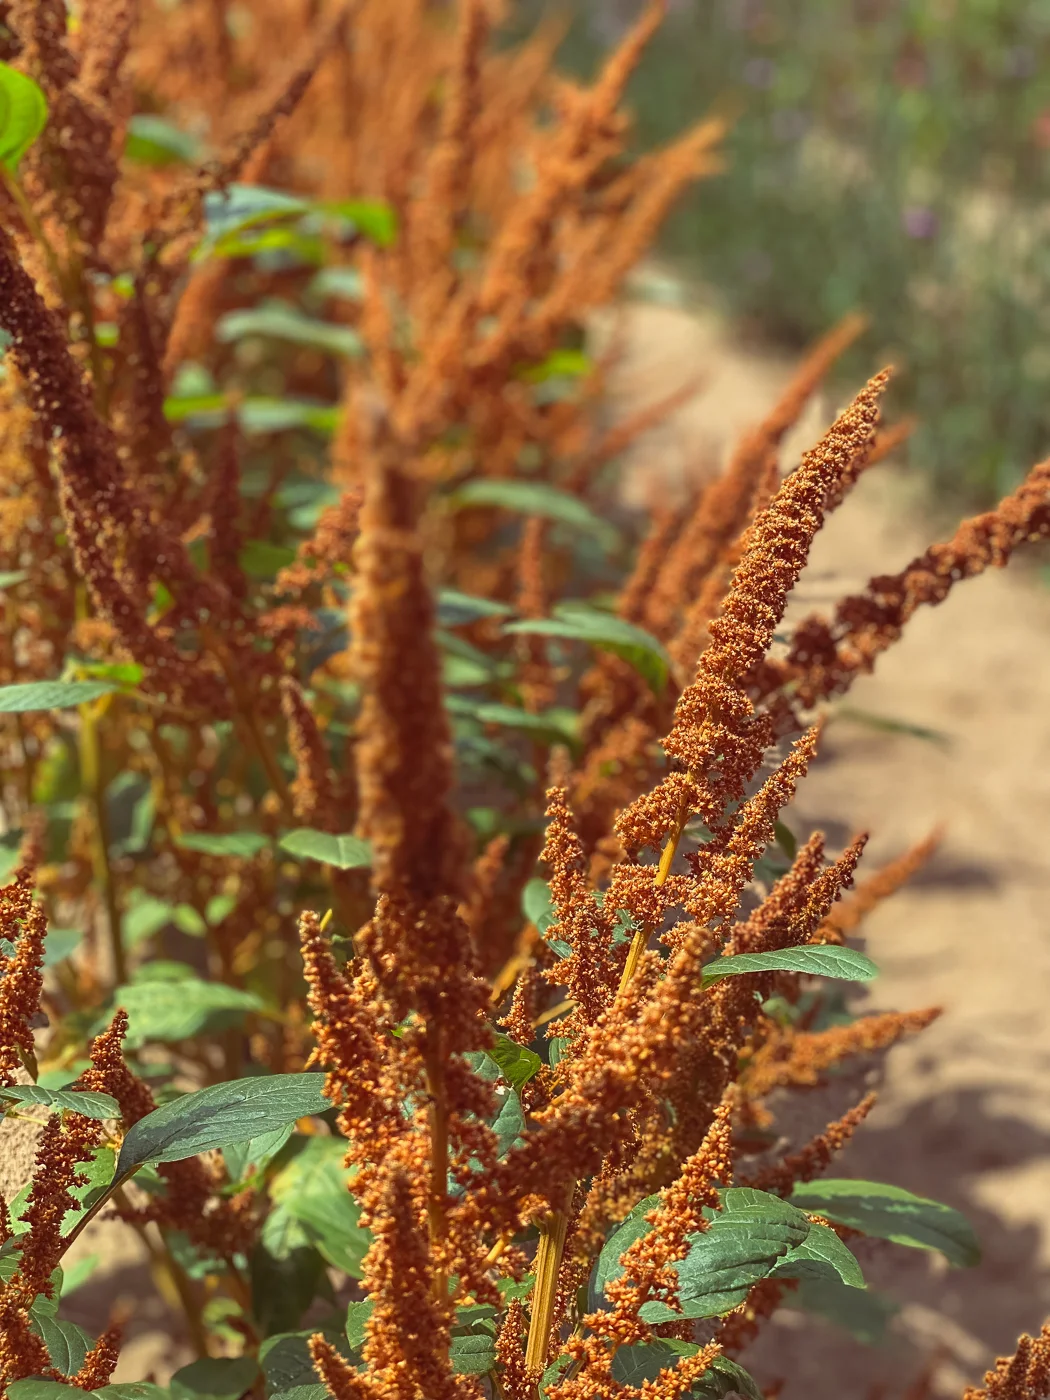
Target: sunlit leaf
{"type": "Point", "coordinates": [23, 114]}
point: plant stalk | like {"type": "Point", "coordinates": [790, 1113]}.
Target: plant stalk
{"type": "Point", "coordinates": [434, 1061]}
{"type": "Point", "coordinates": [547, 1264]}
{"type": "Point", "coordinates": [95, 787]}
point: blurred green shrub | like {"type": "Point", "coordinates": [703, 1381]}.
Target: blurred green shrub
{"type": "Point", "coordinates": [891, 155]}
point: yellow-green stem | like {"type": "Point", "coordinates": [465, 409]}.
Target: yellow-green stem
{"type": "Point", "coordinates": [95, 788]}
{"type": "Point", "coordinates": [640, 941]}
{"type": "Point", "coordinates": [546, 1266]}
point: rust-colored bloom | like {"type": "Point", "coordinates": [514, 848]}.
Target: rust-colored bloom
{"type": "Point", "coordinates": [1023, 1376]}
{"type": "Point", "coordinates": [811, 1160]}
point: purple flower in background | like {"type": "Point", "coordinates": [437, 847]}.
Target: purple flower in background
{"type": "Point", "coordinates": [919, 221]}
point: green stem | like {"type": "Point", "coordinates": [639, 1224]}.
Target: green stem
{"type": "Point", "coordinates": [94, 785]}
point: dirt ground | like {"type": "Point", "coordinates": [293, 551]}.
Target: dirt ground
{"type": "Point", "coordinates": [964, 1115]}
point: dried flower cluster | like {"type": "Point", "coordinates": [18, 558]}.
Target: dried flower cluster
{"type": "Point", "coordinates": [303, 525]}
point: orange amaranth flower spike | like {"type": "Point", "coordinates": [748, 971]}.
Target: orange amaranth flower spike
{"type": "Point", "coordinates": [1023, 1376]}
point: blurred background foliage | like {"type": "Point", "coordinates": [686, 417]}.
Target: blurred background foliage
{"type": "Point", "coordinates": [886, 155]}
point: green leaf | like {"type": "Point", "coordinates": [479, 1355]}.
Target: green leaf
{"type": "Point", "coordinates": [821, 1255]}
{"type": "Point", "coordinates": [555, 726]}
{"type": "Point", "coordinates": [132, 1390]}
{"type": "Point", "coordinates": [246, 206]}
{"type": "Point", "coordinates": [509, 1124]}
{"type": "Point", "coordinates": [286, 1363]}
{"type": "Point", "coordinates": [145, 917]}
{"type": "Point", "coordinates": [559, 364]}
{"type": "Point", "coordinates": [75, 1275]}
{"type": "Point", "coordinates": [180, 1009]}
{"type": "Point", "coordinates": [266, 415]}
{"type": "Point", "coordinates": [455, 609]}
{"type": "Point", "coordinates": [215, 1378]}
{"type": "Point", "coordinates": [534, 498]}
{"type": "Point", "coordinates": [473, 1355]}
{"type": "Point", "coordinates": [261, 559]}
{"type": "Point", "coordinates": [10, 577]}
{"type": "Point", "coordinates": [51, 695]}
{"type": "Point", "coordinates": [220, 1115]}
{"type": "Point", "coordinates": [813, 959]}
{"type": "Point", "coordinates": [39, 1389]}
{"type": "Point", "coordinates": [256, 1152]}
{"type": "Point", "coordinates": [87, 1102]}
{"type": "Point", "coordinates": [635, 1365]}
{"type": "Point", "coordinates": [517, 1063]}
{"type": "Point", "coordinates": [357, 1314]}
{"type": "Point", "coordinates": [314, 1189]}
{"type": "Point", "coordinates": [60, 944]}
{"type": "Point", "coordinates": [345, 852]}
{"type": "Point", "coordinates": [537, 905]}
{"type": "Point", "coordinates": [578, 622]}
{"type": "Point", "coordinates": [373, 218]}
{"type": "Point", "coordinates": [337, 282]}
{"type": "Point", "coordinates": [890, 1213]}
{"type": "Point", "coordinates": [284, 1286]}
{"type": "Point", "coordinates": [23, 114]}
{"type": "Point", "coordinates": [861, 1312]}
{"type": "Point", "coordinates": [244, 844]}
{"type": "Point", "coordinates": [67, 1343]}
{"type": "Point", "coordinates": [281, 321]}
{"type": "Point", "coordinates": [743, 1243]}
{"type": "Point", "coordinates": [154, 141]}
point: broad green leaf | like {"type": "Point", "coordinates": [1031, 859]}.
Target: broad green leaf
{"type": "Point", "coordinates": [51, 695]}
{"type": "Point", "coordinates": [559, 364]}
{"type": "Point", "coordinates": [517, 1063]}
{"type": "Point", "coordinates": [10, 577]}
{"type": "Point", "coordinates": [67, 1343]}
{"type": "Point", "coordinates": [88, 1103]}
{"type": "Point", "coordinates": [60, 944]}
{"type": "Point", "coordinates": [890, 1213]}
{"type": "Point", "coordinates": [357, 1315]}
{"type": "Point", "coordinates": [265, 415]}
{"type": "Point", "coordinates": [75, 1275]}
{"type": "Point", "coordinates": [240, 1157]}
{"type": "Point", "coordinates": [344, 282]}
{"type": "Point", "coordinates": [98, 1175]}
{"type": "Point", "coordinates": [812, 959]}
{"type": "Point", "coordinates": [373, 218]}
{"type": "Point", "coordinates": [821, 1255]}
{"type": "Point", "coordinates": [314, 1189]}
{"type": "Point", "coordinates": [743, 1243]}
{"type": "Point", "coordinates": [261, 559]}
{"type": "Point", "coordinates": [555, 726]}
{"type": "Point", "coordinates": [283, 1287]}
{"type": "Point", "coordinates": [246, 206]}
{"type": "Point", "coordinates": [345, 852]}
{"type": "Point", "coordinates": [473, 1355]}
{"type": "Point", "coordinates": [534, 498]}
{"type": "Point", "coordinates": [244, 844]}
{"type": "Point", "coordinates": [220, 1115]}
{"type": "Point", "coordinates": [154, 141]}
{"type": "Point", "coordinates": [38, 1389]}
{"type": "Point", "coordinates": [537, 905]}
{"type": "Point", "coordinates": [634, 1365]}
{"type": "Point", "coordinates": [132, 1390]}
{"type": "Point", "coordinates": [197, 410]}
{"type": "Point", "coordinates": [23, 114]}
{"type": "Point", "coordinates": [215, 1378]}
{"type": "Point", "coordinates": [454, 609]}
{"type": "Point", "coordinates": [180, 1009]}
{"type": "Point", "coordinates": [861, 1312]}
{"type": "Point", "coordinates": [509, 1124]}
{"type": "Point", "coordinates": [145, 917]}
{"type": "Point", "coordinates": [578, 622]}
{"type": "Point", "coordinates": [280, 321]}
{"type": "Point", "coordinates": [285, 1359]}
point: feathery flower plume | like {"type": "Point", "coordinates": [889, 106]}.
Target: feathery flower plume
{"type": "Point", "coordinates": [96, 1370]}
{"type": "Point", "coordinates": [827, 656]}
{"type": "Point", "coordinates": [22, 979]}
{"type": "Point", "coordinates": [800, 1058]}
{"type": "Point", "coordinates": [815, 1157]}
{"type": "Point", "coordinates": [876, 888]}
{"type": "Point", "coordinates": [718, 738]}
{"type": "Point", "coordinates": [343, 1381]}
{"type": "Point", "coordinates": [725, 507]}
{"type": "Point", "coordinates": [1023, 1376]}
{"type": "Point", "coordinates": [313, 789]}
